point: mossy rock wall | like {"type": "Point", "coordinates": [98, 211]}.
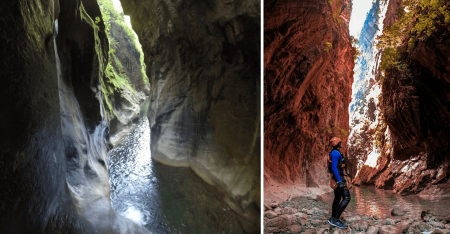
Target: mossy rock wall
{"type": "Point", "coordinates": [53, 176]}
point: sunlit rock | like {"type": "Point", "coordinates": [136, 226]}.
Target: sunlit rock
{"type": "Point", "coordinates": [308, 71]}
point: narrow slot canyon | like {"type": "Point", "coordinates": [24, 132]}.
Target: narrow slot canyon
{"type": "Point", "coordinates": [382, 88]}
{"type": "Point", "coordinates": [130, 116]}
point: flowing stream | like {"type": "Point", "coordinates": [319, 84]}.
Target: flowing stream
{"type": "Point", "coordinates": [368, 201]}
{"type": "Point", "coordinates": [161, 198]}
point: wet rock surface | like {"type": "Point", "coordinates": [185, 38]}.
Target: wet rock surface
{"type": "Point", "coordinates": [54, 174]}
{"type": "Point", "coordinates": [203, 64]}
{"type": "Point", "coordinates": [311, 217]}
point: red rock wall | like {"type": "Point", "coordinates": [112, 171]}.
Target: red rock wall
{"type": "Point", "coordinates": [419, 99]}
{"type": "Point", "coordinates": [307, 90]}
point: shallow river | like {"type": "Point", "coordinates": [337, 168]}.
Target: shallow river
{"type": "Point", "coordinates": [161, 198]}
{"type": "Point", "coordinates": [368, 201]}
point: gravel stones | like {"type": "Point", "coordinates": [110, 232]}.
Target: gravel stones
{"type": "Point", "coordinates": [359, 225]}
{"type": "Point", "coordinates": [311, 217]}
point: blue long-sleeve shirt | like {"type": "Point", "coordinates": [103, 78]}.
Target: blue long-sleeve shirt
{"type": "Point", "coordinates": [335, 156]}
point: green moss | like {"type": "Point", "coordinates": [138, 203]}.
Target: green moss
{"type": "Point", "coordinates": [105, 89]}
{"type": "Point", "coordinates": [115, 77]}
{"type": "Point", "coordinates": [328, 46]}
{"type": "Point", "coordinates": [107, 8]}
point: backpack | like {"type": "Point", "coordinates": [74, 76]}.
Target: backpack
{"type": "Point", "coordinates": [342, 165]}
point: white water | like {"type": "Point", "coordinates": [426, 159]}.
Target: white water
{"type": "Point", "coordinates": [134, 186]}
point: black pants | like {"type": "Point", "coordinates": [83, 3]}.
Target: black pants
{"type": "Point", "coordinates": [338, 205]}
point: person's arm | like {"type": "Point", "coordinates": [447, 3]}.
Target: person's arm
{"type": "Point", "coordinates": [334, 161]}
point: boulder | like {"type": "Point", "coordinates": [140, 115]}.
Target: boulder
{"type": "Point", "coordinates": [289, 210]}
{"type": "Point", "coordinates": [440, 231]}
{"type": "Point", "coordinates": [301, 216]}
{"type": "Point", "coordinates": [294, 229]}
{"type": "Point", "coordinates": [270, 214]}
{"type": "Point", "coordinates": [372, 230]}
{"type": "Point", "coordinates": [388, 229]}
{"type": "Point", "coordinates": [281, 222]}
{"type": "Point", "coordinates": [273, 205]}
{"type": "Point", "coordinates": [273, 229]}
{"type": "Point", "coordinates": [397, 211]}
{"type": "Point", "coordinates": [390, 221]}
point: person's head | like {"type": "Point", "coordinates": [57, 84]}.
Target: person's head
{"type": "Point", "coordinates": [336, 143]}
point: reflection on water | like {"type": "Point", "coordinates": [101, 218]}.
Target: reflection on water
{"type": "Point", "coordinates": [134, 187]}
{"type": "Point", "coordinates": [368, 201]}
{"type": "Point", "coordinates": [161, 198]}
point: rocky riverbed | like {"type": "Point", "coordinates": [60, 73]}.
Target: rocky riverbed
{"type": "Point", "coordinates": [309, 214]}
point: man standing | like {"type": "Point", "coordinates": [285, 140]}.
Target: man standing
{"type": "Point", "coordinates": [336, 167]}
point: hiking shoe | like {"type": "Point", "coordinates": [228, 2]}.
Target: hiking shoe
{"type": "Point", "coordinates": [332, 221]}
{"type": "Point", "coordinates": [339, 224]}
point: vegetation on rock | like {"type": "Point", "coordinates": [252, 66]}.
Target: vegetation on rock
{"type": "Point", "coordinates": [328, 46]}
{"type": "Point", "coordinates": [115, 77]}
{"type": "Point", "coordinates": [417, 20]}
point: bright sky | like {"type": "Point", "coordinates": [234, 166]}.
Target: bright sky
{"type": "Point", "coordinates": [118, 7]}
{"type": "Point", "coordinates": [359, 13]}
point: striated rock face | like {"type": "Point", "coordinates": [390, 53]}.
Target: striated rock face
{"type": "Point", "coordinates": [202, 60]}
{"type": "Point", "coordinates": [308, 72]}
{"type": "Point", "coordinates": [53, 149]}
{"type": "Point", "coordinates": [412, 147]}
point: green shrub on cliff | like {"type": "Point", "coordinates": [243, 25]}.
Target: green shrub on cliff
{"type": "Point", "coordinates": [115, 76]}
{"type": "Point", "coordinates": [417, 20]}
{"type": "Point", "coordinates": [328, 46]}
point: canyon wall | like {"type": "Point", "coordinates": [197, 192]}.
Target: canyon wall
{"type": "Point", "coordinates": [367, 128]}
{"type": "Point", "coordinates": [308, 72]}
{"type": "Point", "coordinates": [412, 146]}
{"type": "Point", "coordinates": [53, 149]}
{"type": "Point", "coordinates": [203, 63]}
